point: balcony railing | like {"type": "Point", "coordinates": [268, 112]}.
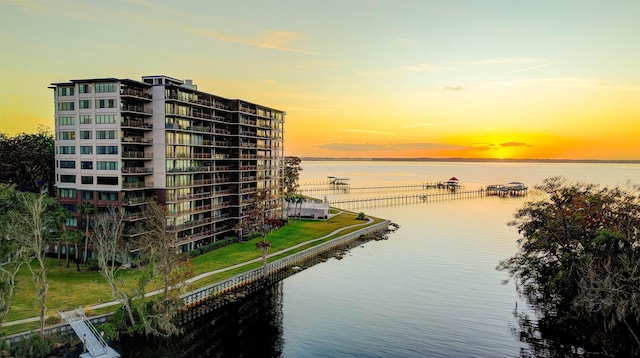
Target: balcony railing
{"type": "Point", "coordinates": [135, 93]}
{"type": "Point", "coordinates": [134, 185]}
{"type": "Point", "coordinates": [137, 170]}
{"type": "Point", "coordinates": [141, 140]}
{"type": "Point", "coordinates": [136, 155]}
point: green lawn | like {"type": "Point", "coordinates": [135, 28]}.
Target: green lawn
{"type": "Point", "coordinates": [69, 289]}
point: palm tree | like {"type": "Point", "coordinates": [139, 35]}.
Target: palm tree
{"type": "Point", "coordinates": [87, 209]}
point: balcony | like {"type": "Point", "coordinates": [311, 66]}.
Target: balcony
{"type": "Point", "coordinates": [136, 124]}
{"type": "Point", "coordinates": [130, 92]}
{"type": "Point", "coordinates": [136, 155]}
{"type": "Point", "coordinates": [135, 185]}
{"type": "Point", "coordinates": [137, 170]}
{"type": "Point", "coordinates": [139, 140]}
{"type": "Point", "coordinates": [135, 109]}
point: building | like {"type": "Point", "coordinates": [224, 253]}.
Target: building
{"type": "Point", "coordinates": [121, 143]}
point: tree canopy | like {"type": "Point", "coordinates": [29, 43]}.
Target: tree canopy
{"type": "Point", "coordinates": [28, 161]}
{"type": "Point", "coordinates": [578, 264]}
{"type": "Point", "coordinates": [292, 171]}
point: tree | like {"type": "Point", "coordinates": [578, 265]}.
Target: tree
{"type": "Point", "coordinates": [86, 209]}
{"type": "Point", "coordinates": [159, 244]}
{"type": "Point", "coordinates": [292, 169]}
{"type": "Point", "coordinates": [258, 224]}
{"type": "Point", "coordinates": [578, 264]}
{"type": "Point", "coordinates": [34, 220]}
{"type": "Point", "coordinates": [12, 255]}
{"type": "Point", "coordinates": [28, 161]}
{"type": "Point", "coordinates": [107, 229]}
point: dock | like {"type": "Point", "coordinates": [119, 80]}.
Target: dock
{"type": "Point", "coordinates": [93, 343]}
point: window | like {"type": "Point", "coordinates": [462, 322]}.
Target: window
{"type": "Point", "coordinates": [67, 149]}
{"type": "Point", "coordinates": [108, 196]}
{"type": "Point", "coordinates": [67, 164]}
{"type": "Point", "coordinates": [67, 193]}
{"type": "Point", "coordinates": [85, 119]}
{"type": "Point", "coordinates": [67, 178]}
{"type": "Point", "coordinates": [105, 103]}
{"type": "Point", "coordinates": [107, 149]}
{"type": "Point", "coordinates": [86, 165]}
{"type": "Point", "coordinates": [105, 134]}
{"type": "Point", "coordinates": [86, 149]}
{"type": "Point", "coordinates": [87, 195]}
{"type": "Point", "coordinates": [102, 165]}
{"type": "Point", "coordinates": [65, 91]}
{"type": "Point", "coordinates": [86, 180]}
{"type": "Point", "coordinates": [71, 222]}
{"type": "Point", "coordinates": [105, 87]}
{"type": "Point", "coordinates": [66, 121]}
{"type": "Point", "coordinates": [85, 134]}
{"type": "Point", "coordinates": [106, 119]}
{"type": "Point", "coordinates": [107, 180]}
{"type": "Point", "coordinates": [70, 135]}
{"type": "Point", "coordinates": [66, 106]}
{"type": "Point", "coordinates": [84, 88]}
{"type": "Point", "coordinates": [84, 103]}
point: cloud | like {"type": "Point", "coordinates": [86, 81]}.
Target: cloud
{"type": "Point", "coordinates": [530, 68]}
{"type": "Point", "coordinates": [514, 144]}
{"type": "Point", "coordinates": [352, 147]}
{"type": "Point", "coordinates": [368, 131]}
{"type": "Point", "coordinates": [423, 67]}
{"type": "Point", "coordinates": [453, 88]}
{"type": "Point", "coordinates": [502, 60]}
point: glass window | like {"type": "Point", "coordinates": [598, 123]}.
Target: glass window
{"type": "Point", "coordinates": [87, 195]}
{"type": "Point", "coordinates": [84, 103]}
{"type": "Point", "coordinates": [86, 165]}
{"type": "Point", "coordinates": [105, 103]}
{"type": "Point", "coordinates": [108, 196]}
{"type": "Point", "coordinates": [86, 180]}
{"type": "Point", "coordinates": [67, 149]}
{"type": "Point", "coordinates": [67, 178]}
{"type": "Point", "coordinates": [65, 91]}
{"type": "Point", "coordinates": [105, 87]}
{"type": "Point", "coordinates": [106, 119]}
{"type": "Point", "coordinates": [103, 165]}
{"type": "Point", "coordinates": [86, 149]}
{"type": "Point", "coordinates": [67, 135]}
{"type": "Point", "coordinates": [67, 193]}
{"type": "Point", "coordinates": [85, 134]}
{"type": "Point", "coordinates": [66, 106]}
{"type": "Point", "coordinates": [67, 164]}
{"type": "Point", "coordinates": [106, 149]}
{"type": "Point", "coordinates": [85, 119]}
{"type": "Point", "coordinates": [66, 121]}
{"type": "Point", "coordinates": [84, 88]}
{"type": "Point", "coordinates": [107, 180]}
{"type": "Point", "coordinates": [105, 134]}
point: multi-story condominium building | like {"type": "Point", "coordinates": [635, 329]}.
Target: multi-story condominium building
{"type": "Point", "coordinates": [121, 143]}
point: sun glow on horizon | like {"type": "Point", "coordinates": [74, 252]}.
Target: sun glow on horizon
{"type": "Point", "coordinates": [489, 88]}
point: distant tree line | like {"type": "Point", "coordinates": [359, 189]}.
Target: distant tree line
{"type": "Point", "coordinates": [28, 161]}
{"type": "Point", "coordinates": [578, 265]}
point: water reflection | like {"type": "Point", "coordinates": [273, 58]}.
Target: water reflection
{"type": "Point", "coordinates": [248, 326]}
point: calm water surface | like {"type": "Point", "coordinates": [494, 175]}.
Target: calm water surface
{"type": "Point", "coordinates": [431, 290]}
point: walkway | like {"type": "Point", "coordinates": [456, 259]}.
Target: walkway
{"type": "Point", "coordinates": [207, 274]}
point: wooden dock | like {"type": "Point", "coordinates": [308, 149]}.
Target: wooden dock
{"type": "Point", "coordinates": [389, 200]}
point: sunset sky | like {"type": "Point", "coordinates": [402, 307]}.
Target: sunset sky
{"type": "Point", "coordinates": [357, 78]}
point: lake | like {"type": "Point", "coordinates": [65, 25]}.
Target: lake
{"type": "Point", "coordinates": [430, 290]}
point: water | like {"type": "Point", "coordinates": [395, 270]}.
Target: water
{"type": "Point", "coordinates": [431, 290]}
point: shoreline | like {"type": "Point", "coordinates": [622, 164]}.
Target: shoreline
{"type": "Point", "coordinates": [479, 160]}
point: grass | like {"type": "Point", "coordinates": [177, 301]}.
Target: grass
{"type": "Point", "coordinates": [69, 289]}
